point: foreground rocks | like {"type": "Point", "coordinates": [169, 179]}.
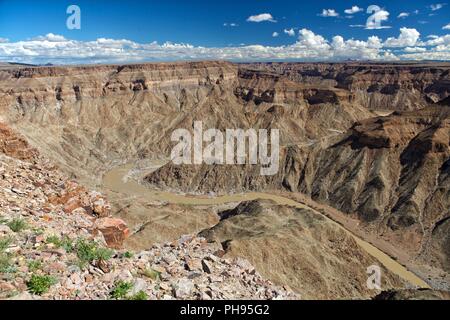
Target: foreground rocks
{"type": "Point", "coordinates": [54, 239]}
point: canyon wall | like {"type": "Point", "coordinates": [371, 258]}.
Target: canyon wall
{"type": "Point", "coordinates": [371, 140]}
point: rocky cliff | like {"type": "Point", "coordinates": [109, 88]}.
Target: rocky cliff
{"type": "Point", "coordinates": [371, 140]}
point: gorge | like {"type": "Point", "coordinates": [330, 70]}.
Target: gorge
{"type": "Point", "coordinates": [364, 161]}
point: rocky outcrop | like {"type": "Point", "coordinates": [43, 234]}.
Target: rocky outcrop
{"type": "Point", "coordinates": [114, 230]}
{"type": "Point", "coordinates": [299, 248]}
{"type": "Point", "coordinates": [374, 86]}
{"type": "Point", "coordinates": [15, 146]}
{"type": "Point", "coordinates": [390, 172]}
{"type": "Point", "coordinates": [50, 252]}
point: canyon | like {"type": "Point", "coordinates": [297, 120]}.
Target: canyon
{"type": "Point", "coordinates": [364, 148]}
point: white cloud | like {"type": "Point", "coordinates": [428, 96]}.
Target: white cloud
{"type": "Point", "coordinates": [437, 41]}
{"type": "Point", "coordinates": [428, 55]}
{"type": "Point", "coordinates": [308, 47]}
{"type": "Point", "coordinates": [290, 32]}
{"type": "Point", "coordinates": [275, 34]}
{"type": "Point", "coordinates": [415, 49]}
{"type": "Point", "coordinates": [353, 9]}
{"type": "Point", "coordinates": [50, 37]}
{"type": "Point", "coordinates": [261, 17]}
{"type": "Point", "coordinates": [403, 15]}
{"type": "Point", "coordinates": [378, 18]}
{"type": "Point", "coordinates": [408, 37]}
{"type": "Point", "coordinates": [231, 24]}
{"type": "Point", "coordinates": [446, 27]}
{"type": "Point", "coordinates": [437, 6]}
{"type": "Point", "coordinates": [4, 40]}
{"type": "Point", "coordinates": [329, 13]}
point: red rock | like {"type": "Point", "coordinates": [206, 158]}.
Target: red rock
{"type": "Point", "coordinates": [114, 230]}
{"type": "Point", "coordinates": [72, 204]}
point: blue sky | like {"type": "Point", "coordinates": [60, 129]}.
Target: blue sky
{"type": "Point", "coordinates": [202, 23]}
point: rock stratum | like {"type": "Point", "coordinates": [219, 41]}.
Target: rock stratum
{"type": "Point", "coordinates": [370, 140]}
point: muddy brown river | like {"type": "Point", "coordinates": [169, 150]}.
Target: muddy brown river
{"type": "Point", "coordinates": [119, 180]}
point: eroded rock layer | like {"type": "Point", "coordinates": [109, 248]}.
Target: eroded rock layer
{"type": "Point", "coordinates": [371, 140]}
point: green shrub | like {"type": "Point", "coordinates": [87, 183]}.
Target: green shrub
{"type": "Point", "coordinates": [121, 289]}
{"type": "Point", "coordinates": [40, 284]}
{"type": "Point", "coordinates": [65, 242]}
{"type": "Point", "coordinates": [55, 240]}
{"type": "Point", "coordinates": [4, 243]}
{"type": "Point", "coordinates": [34, 265]}
{"type": "Point", "coordinates": [141, 295]}
{"type": "Point", "coordinates": [89, 251]}
{"type": "Point", "coordinates": [152, 274]}
{"type": "Point", "coordinates": [17, 224]}
{"type": "Point", "coordinates": [128, 255]}
{"type": "Point", "coordinates": [6, 265]}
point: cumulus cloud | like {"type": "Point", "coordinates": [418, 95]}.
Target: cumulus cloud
{"type": "Point", "coordinates": [437, 6]}
{"type": "Point", "coordinates": [403, 15]}
{"type": "Point", "coordinates": [290, 32]}
{"type": "Point", "coordinates": [329, 13]}
{"type": "Point", "coordinates": [446, 27]}
{"type": "Point", "coordinates": [353, 9]}
{"type": "Point", "coordinates": [309, 46]}
{"type": "Point", "coordinates": [50, 37]}
{"type": "Point", "coordinates": [415, 49]}
{"type": "Point", "coordinates": [4, 40]}
{"type": "Point", "coordinates": [408, 37]}
{"type": "Point", "coordinates": [438, 41]}
{"type": "Point", "coordinates": [275, 34]}
{"type": "Point", "coordinates": [261, 17]}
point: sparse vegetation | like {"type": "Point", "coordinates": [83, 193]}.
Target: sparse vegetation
{"type": "Point", "coordinates": [128, 255]}
{"type": "Point", "coordinates": [90, 251]}
{"type": "Point", "coordinates": [17, 224]}
{"type": "Point", "coordinates": [141, 295]}
{"type": "Point", "coordinates": [152, 274]}
{"type": "Point", "coordinates": [4, 243]}
{"type": "Point", "coordinates": [34, 265]}
{"type": "Point", "coordinates": [121, 289]}
{"type": "Point", "coordinates": [39, 284]}
{"type": "Point", "coordinates": [65, 242]}
{"type": "Point", "coordinates": [6, 264]}
{"type": "Point", "coordinates": [55, 240]}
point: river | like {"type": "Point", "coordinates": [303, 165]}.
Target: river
{"type": "Point", "coordinates": [118, 180]}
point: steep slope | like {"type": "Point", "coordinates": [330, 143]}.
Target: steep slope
{"type": "Point", "coordinates": [299, 248]}
{"type": "Point", "coordinates": [390, 171]}
{"type": "Point", "coordinates": [53, 238]}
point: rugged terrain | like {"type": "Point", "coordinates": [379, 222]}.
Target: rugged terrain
{"type": "Point", "coordinates": [371, 140]}
{"type": "Point", "coordinates": [321, 253]}
{"type": "Point", "coordinates": [54, 236]}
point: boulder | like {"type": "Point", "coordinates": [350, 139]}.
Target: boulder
{"type": "Point", "coordinates": [114, 230]}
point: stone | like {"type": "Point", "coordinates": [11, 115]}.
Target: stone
{"type": "Point", "coordinates": [207, 266]}
{"type": "Point", "coordinates": [183, 288]}
{"type": "Point", "coordinates": [114, 230]}
{"type": "Point", "coordinates": [5, 229]}
{"type": "Point", "coordinates": [138, 285]}
{"type": "Point", "coordinates": [100, 208]}
{"type": "Point", "coordinates": [193, 264]}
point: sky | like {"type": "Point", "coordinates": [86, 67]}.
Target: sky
{"type": "Point", "coordinates": [245, 30]}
